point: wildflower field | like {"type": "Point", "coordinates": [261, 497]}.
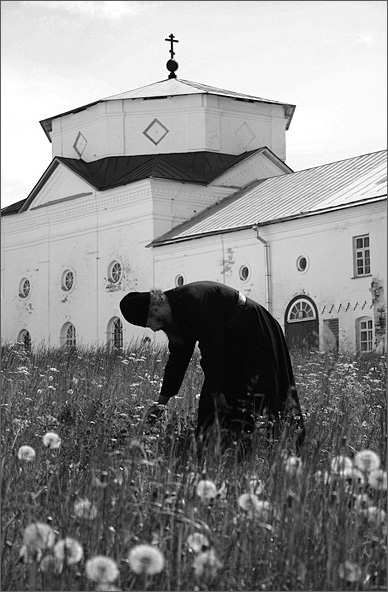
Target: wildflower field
{"type": "Point", "coordinates": [93, 499]}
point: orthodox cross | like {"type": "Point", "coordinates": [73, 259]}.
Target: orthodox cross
{"type": "Point", "coordinates": [172, 40]}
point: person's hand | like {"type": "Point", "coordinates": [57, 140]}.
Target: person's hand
{"type": "Point", "coordinates": [154, 413]}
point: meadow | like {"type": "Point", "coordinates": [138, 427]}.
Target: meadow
{"type": "Point", "coordinates": [94, 499]}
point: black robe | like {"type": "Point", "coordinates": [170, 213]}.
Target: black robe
{"type": "Point", "coordinates": [246, 360]}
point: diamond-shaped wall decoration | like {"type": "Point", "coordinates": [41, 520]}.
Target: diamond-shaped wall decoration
{"type": "Point", "coordinates": [156, 131]}
{"type": "Point", "coordinates": [244, 134]}
{"type": "Point", "coordinates": [80, 144]}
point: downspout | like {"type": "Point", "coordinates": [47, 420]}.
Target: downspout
{"type": "Point", "coordinates": [267, 264]}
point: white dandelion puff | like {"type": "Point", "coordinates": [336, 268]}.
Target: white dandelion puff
{"type": "Point", "coordinates": [340, 464]}
{"type": "Point", "coordinates": [69, 550]}
{"type": "Point", "coordinates": [206, 564]}
{"type": "Point", "coordinates": [375, 516]}
{"type": "Point", "coordinates": [51, 440]}
{"type": "Point", "coordinates": [197, 542]}
{"type": "Point", "coordinates": [51, 564]}
{"type": "Point", "coordinates": [84, 508]}
{"type": "Point", "coordinates": [293, 466]}
{"type": "Point", "coordinates": [367, 460]}
{"type": "Point", "coordinates": [102, 569]}
{"type": "Point", "coordinates": [362, 502]}
{"type": "Point", "coordinates": [206, 490]}
{"type": "Point", "coordinates": [26, 453]}
{"type": "Point", "coordinates": [146, 559]}
{"type": "Point", "coordinates": [378, 479]}
{"type": "Point", "coordinates": [349, 571]}
{"type": "Point", "coordinates": [38, 536]}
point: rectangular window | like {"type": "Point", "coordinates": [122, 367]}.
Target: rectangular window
{"type": "Point", "coordinates": [366, 335]}
{"type": "Point", "coordinates": [361, 252]}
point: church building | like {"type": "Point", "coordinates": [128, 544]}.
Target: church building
{"type": "Point", "coordinates": [176, 182]}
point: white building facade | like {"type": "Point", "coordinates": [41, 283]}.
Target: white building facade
{"type": "Point", "coordinates": [177, 182]}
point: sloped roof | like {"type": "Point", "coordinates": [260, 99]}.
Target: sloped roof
{"type": "Point", "coordinates": [114, 171]}
{"type": "Point", "coordinates": [302, 193]}
{"type": "Point", "coordinates": [168, 88]}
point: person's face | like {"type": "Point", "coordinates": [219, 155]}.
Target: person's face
{"type": "Point", "coordinates": [154, 323]}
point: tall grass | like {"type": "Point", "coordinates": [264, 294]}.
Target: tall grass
{"type": "Point", "coordinates": [322, 527]}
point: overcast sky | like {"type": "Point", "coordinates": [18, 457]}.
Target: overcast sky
{"type": "Point", "coordinates": [327, 58]}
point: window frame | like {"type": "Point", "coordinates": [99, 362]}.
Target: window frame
{"type": "Point", "coordinates": [365, 258]}
{"type": "Point", "coordinates": [369, 330]}
{"type": "Point", "coordinates": [22, 293]}
{"type": "Point", "coordinates": [64, 285]}
{"type": "Point", "coordinates": [111, 272]}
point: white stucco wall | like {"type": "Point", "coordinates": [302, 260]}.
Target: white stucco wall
{"type": "Point", "coordinates": [326, 241]}
{"type": "Point", "coordinates": [193, 123]}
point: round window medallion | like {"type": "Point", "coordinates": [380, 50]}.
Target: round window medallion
{"type": "Point", "coordinates": [115, 272]}
{"type": "Point", "coordinates": [301, 263]}
{"type": "Point", "coordinates": [67, 280]}
{"type": "Point", "coordinates": [179, 281]}
{"type": "Point", "coordinates": [244, 273]}
{"type": "Point", "coordinates": [24, 288]}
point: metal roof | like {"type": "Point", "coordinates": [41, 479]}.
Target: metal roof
{"type": "Point", "coordinates": [115, 171]}
{"type": "Point", "coordinates": [301, 193]}
{"type": "Point", "coordinates": [168, 88]}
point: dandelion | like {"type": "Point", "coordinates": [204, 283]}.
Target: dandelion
{"type": "Point", "coordinates": [378, 479]}
{"type": "Point", "coordinates": [248, 502]}
{"type": "Point", "coordinates": [206, 564]}
{"type": "Point", "coordinates": [349, 571]}
{"type": "Point", "coordinates": [102, 569]}
{"type": "Point", "coordinates": [84, 508]}
{"type": "Point", "coordinates": [341, 463]}
{"type": "Point", "coordinates": [69, 550]}
{"type": "Point", "coordinates": [293, 466]}
{"type": "Point", "coordinates": [197, 542]}
{"type": "Point", "coordinates": [362, 502]}
{"type": "Point", "coordinates": [51, 440]}
{"type": "Point", "coordinates": [146, 559]}
{"type": "Point", "coordinates": [206, 490]}
{"type": "Point", "coordinates": [367, 460]}
{"type": "Point", "coordinates": [26, 453]}
{"type": "Point", "coordinates": [37, 536]}
{"type": "Point", "coordinates": [51, 564]}
{"type": "Point", "coordinates": [374, 516]}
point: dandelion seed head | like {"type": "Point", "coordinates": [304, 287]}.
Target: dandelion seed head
{"type": "Point", "coordinates": [378, 479]}
{"type": "Point", "coordinates": [38, 535]}
{"type": "Point", "coordinates": [51, 440]}
{"type": "Point", "coordinates": [341, 463]}
{"type": "Point", "coordinates": [51, 564]}
{"type": "Point", "coordinates": [362, 502]}
{"type": "Point", "coordinates": [69, 550]}
{"type": "Point", "coordinates": [102, 569]}
{"type": "Point", "coordinates": [197, 542]}
{"type": "Point", "coordinates": [146, 559]}
{"type": "Point", "coordinates": [367, 460]}
{"type": "Point", "coordinates": [206, 490]}
{"type": "Point", "coordinates": [26, 453]}
{"type": "Point", "coordinates": [293, 466]}
{"type": "Point", "coordinates": [375, 516]}
{"type": "Point", "coordinates": [206, 564]}
{"type": "Point", "coordinates": [349, 571]}
{"type": "Point", "coordinates": [84, 508]}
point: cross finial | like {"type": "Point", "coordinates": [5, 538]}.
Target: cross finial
{"type": "Point", "coordinates": [172, 40]}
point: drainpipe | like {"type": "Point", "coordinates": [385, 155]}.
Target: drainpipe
{"type": "Point", "coordinates": [268, 302]}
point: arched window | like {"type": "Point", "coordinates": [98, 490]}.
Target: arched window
{"type": "Point", "coordinates": [115, 333]}
{"type": "Point", "coordinates": [364, 334]}
{"type": "Point", "coordinates": [301, 310]}
{"type": "Point", "coordinates": [24, 337]}
{"type": "Point", "coordinates": [68, 335]}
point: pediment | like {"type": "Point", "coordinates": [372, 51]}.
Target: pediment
{"type": "Point", "coordinates": [61, 185]}
{"type": "Point", "coordinates": [263, 164]}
